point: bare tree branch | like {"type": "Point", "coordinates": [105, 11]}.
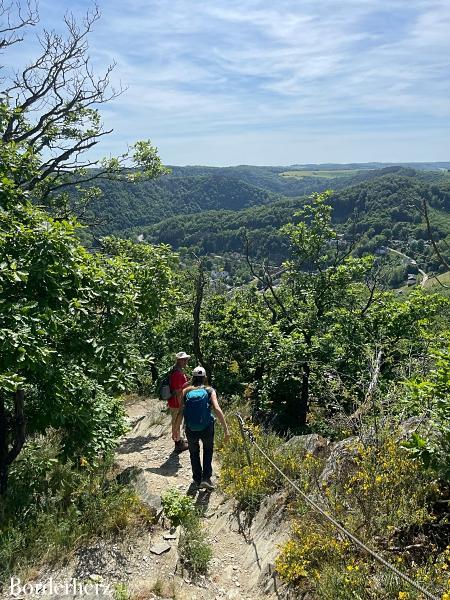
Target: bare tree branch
{"type": "Point", "coordinates": [430, 234]}
{"type": "Point", "coordinates": [12, 26]}
{"type": "Point", "coordinates": [53, 102]}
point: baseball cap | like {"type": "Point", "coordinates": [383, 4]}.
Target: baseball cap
{"type": "Point", "coordinates": [182, 355]}
{"type": "Point", "coordinates": [199, 372]}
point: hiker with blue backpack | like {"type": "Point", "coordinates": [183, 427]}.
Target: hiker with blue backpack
{"type": "Point", "coordinates": [196, 403]}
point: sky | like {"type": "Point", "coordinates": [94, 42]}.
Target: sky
{"type": "Point", "coordinates": [226, 82]}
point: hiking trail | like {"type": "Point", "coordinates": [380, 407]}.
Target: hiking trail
{"type": "Point", "coordinates": [149, 446]}
{"type": "Point", "coordinates": [146, 563]}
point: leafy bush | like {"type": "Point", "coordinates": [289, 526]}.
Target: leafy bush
{"type": "Point", "coordinates": [383, 495]}
{"type": "Point", "coordinates": [385, 491]}
{"type": "Point", "coordinates": [432, 394]}
{"type": "Point", "coordinates": [195, 550]}
{"type": "Point", "coordinates": [54, 506]}
{"type": "Point", "coordinates": [250, 484]}
{"type": "Point", "coordinates": [74, 327]}
{"type": "Point", "coordinates": [304, 555]}
{"type": "Point", "coordinates": [178, 507]}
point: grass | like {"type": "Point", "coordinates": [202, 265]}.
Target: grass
{"type": "Point", "coordinates": [162, 589]}
{"type": "Point", "coordinates": [53, 507]}
{"type": "Point", "coordinates": [444, 278]}
{"type": "Point", "coordinates": [431, 285]}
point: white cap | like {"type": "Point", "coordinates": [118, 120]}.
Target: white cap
{"type": "Point", "coordinates": [199, 372]}
{"type": "Point", "coordinates": [179, 355]}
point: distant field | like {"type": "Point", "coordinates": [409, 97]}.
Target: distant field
{"type": "Point", "coordinates": [444, 278]}
{"type": "Point", "coordinates": [322, 174]}
{"type": "Point", "coordinates": [441, 287]}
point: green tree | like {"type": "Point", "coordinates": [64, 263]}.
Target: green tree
{"type": "Point", "coordinates": [73, 325]}
{"type": "Point", "coordinates": [331, 320]}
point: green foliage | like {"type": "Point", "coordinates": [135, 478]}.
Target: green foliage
{"type": "Point", "coordinates": [431, 394]}
{"type": "Point", "coordinates": [329, 317]}
{"type": "Point", "coordinates": [121, 591]}
{"type": "Point", "coordinates": [75, 326]}
{"type": "Point", "coordinates": [195, 550]}
{"type": "Point", "coordinates": [375, 208]}
{"type": "Point", "coordinates": [230, 331]}
{"type": "Point", "coordinates": [380, 494]}
{"type": "Point", "coordinates": [178, 507]}
{"type": "Point", "coordinates": [53, 506]}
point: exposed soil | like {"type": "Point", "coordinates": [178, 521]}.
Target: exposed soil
{"type": "Point", "coordinates": [237, 569]}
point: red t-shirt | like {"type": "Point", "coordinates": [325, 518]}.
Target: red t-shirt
{"type": "Point", "coordinates": [177, 380]}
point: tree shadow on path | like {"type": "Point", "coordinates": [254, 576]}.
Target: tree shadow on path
{"type": "Point", "coordinates": [169, 467]}
{"type": "Point", "coordinates": [137, 444]}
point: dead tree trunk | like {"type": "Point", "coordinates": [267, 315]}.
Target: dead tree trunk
{"type": "Point", "coordinates": [304, 396]}
{"type": "Point", "coordinates": [199, 294]}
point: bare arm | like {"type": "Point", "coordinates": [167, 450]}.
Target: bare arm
{"type": "Point", "coordinates": [219, 413]}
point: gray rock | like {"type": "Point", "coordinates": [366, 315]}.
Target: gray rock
{"type": "Point", "coordinates": [411, 425]}
{"type": "Point", "coordinates": [160, 548]}
{"type": "Point", "coordinates": [312, 443]}
{"type": "Point", "coordinates": [341, 461]}
{"type": "Point", "coordinates": [128, 475]}
{"type": "Point", "coordinates": [136, 478]}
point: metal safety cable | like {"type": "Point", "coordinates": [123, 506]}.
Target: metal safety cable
{"type": "Point", "coordinates": [336, 524]}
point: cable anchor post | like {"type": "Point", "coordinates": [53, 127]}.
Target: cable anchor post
{"type": "Point", "coordinates": [244, 439]}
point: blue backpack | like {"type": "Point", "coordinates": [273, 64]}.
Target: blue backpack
{"type": "Point", "coordinates": [197, 409]}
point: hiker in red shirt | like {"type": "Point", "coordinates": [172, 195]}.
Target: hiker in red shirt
{"type": "Point", "coordinates": [177, 382]}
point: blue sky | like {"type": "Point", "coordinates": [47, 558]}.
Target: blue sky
{"type": "Point", "coordinates": [225, 82]}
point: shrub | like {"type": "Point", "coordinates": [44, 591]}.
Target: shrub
{"type": "Point", "coordinates": [386, 491]}
{"type": "Point", "coordinates": [305, 553]}
{"type": "Point", "coordinates": [195, 550]}
{"type": "Point", "coordinates": [250, 484]}
{"type": "Point", "coordinates": [52, 507]}
{"type": "Point", "coordinates": [384, 494]}
{"type": "Point", "coordinates": [178, 508]}
{"type": "Point", "coordinates": [433, 395]}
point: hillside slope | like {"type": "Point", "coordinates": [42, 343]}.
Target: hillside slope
{"type": "Point", "coordinates": [383, 210]}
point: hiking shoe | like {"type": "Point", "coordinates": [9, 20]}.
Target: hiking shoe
{"type": "Point", "coordinates": [181, 446]}
{"type": "Point", "coordinates": [207, 484]}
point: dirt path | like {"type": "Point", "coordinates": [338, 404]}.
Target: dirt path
{"type": "Point", "coordinates": [148, 445]}
{"type": "Point", "coordinates": [130, 568]}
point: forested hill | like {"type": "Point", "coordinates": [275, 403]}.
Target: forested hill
{"type": "Point", "coordinates": [379, 211]}
{"type": "Point", "coordinates": [124, 205]}
{"type": "Point", "coordinates": [188, 190]}
{"type": "Point", "coordinates": [209, 211]}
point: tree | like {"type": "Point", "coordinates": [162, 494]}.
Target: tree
{"type": "Point", "coordinates": [12, 24]}
{"type": "Point", "coordinates": [332, 322]}
{"type": "Point", "coordinates": [73, 325]}
{"type": "Point", "coordinates": [49, 114]}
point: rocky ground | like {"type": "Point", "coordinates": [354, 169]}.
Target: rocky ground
{"type": "Point", "coordinates": [147, 565]}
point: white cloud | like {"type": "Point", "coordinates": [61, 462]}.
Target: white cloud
{"type": "Point", "coordinates": [233, 69]}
